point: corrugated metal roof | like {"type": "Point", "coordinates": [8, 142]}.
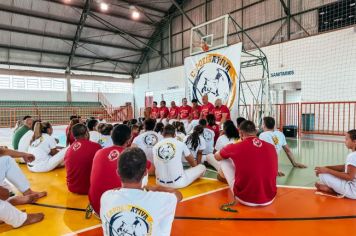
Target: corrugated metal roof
{"type": "Point", "coordinates": [42, 32]}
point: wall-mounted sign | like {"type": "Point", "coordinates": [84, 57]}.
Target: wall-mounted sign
{"type": "Point", "coordinates": [173, 87]}
{"type": "Point", "coordinates": [282, 73]}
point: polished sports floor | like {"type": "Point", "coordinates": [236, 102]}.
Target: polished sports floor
{"type": "Point", "coordinates": [297, 210]}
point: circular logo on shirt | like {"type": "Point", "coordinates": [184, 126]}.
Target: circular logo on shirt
{"type": "Point", "coordinates": [207, 135]}
{"type": "Point", "coordinates": [128, 221]}
{"type": "Point", "coordinates": [214, 75]}
{"type": "Point", "coordinates": [166, 151]}
{"type": "Point", "coordinates": [150, 140]}
{"type": "Point", "coordinates": [76, 146]}
{"type": "Point", "coordinates": [113, 155]}
{"type": "Point", "coordinates": [257, 142]}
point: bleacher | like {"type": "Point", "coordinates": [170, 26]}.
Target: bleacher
{"type": "Point", "coordinates": [56, 112]}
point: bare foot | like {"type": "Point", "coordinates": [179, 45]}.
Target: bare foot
{"type": "Point", "coordinates": [37, 194]}
{"type": "Point", "coordinates": [221, 179]}
{"type": "Point", "coordinates": [21, 200]}
{"type": "Point", "coordinates": [324, 188]}
{"type": "Point", "coordinates": [280, 174]}
{"type": "Point", "coordinates": [33, 218]}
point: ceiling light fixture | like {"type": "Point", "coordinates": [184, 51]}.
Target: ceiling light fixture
{"type": "Point", "coordinates": [135, 14]}
{"type": "Point", "coordinates": [104, 6]}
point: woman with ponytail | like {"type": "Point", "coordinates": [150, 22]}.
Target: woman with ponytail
{"type": "Point", "coordinates": [44, 147]}
{"type": "Point", "coordinates": [196, 143]}
{"type": "Point", "coordinates": [231, 135]}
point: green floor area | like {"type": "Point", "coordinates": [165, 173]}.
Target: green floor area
{"type": "Point", "coordinates": [311, 153]}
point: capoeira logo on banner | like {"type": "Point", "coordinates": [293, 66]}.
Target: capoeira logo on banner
{"type": "Point", "coordinates": [214, 74]}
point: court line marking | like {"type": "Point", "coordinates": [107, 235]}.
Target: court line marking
{"type": "Point", "coordinates": [208, 178]}
{"type": "Point", "coordinates": [83, 230]}
{"type": "Point", "coordinates": [184, 199]}
{"type": "Point", "coordinates": [203, 194]}
{"type": "Point", "coordinates": [295, 187]}
{"type": "Point", "coordinates": [266, 219]}
{"type": "Point", "coordinates": [59, 207]}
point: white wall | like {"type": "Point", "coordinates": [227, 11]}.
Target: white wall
{"type": "Point", "coordinates": [31, 95]}
{"type": "Point", "coordinates": [293, 96]}
{"type": "Point", "coordinates": [158, 82]}
{"type": "Point", "coordinates": [116, 99]}
{"type": "Point", "coordinates": [324, 64]}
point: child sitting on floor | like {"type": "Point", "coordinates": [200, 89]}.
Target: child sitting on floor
{"type": "Point", "coordinates": [340, 179]}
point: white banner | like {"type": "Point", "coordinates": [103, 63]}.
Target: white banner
{"type": "Point", "coordinates": [215, 73]}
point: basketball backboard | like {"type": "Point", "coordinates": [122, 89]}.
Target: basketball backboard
{"type": "Point", "coordinates": [209, 35]}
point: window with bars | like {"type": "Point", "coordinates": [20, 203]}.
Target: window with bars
{"type": "Point", "coordinates": [54, 84]}
{"type": "Point", "coordinates": [101, 86]}
{"type": "Point", "coordinates": [32, 83]}
{"type": "Point", "coordinates": [337, 15]}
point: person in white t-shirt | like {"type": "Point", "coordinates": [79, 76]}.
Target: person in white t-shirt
{"type": "Point", "coordinates": [168, 155]}
{"type": "Point", "coordinates": [105, 136]}
{"type": "Point", "coordinates": [101, 119]}
{"type": "Point", "coordinates": [180, 131]}
{"type": "Point", "coordinates": [94, 135]}
{"type": "Point", "coordinates": [230, 135]}
{"type": "Point", "coordinates": [25, 140]}
{"type": "Point", "coordinates": [277, 139]}
{"type": "Point", "coordinates": [44, 147]}
{"type": "Point", "coordinates": [196, 144]}
{"type": "Point", "coordinates": [209, 137]}
{"type": "Point", "coordinates": [136, 209]}
{"type": "Point", "coordinates": [147, 140]}
{"type": "Point", "coordinates": [340, 179]}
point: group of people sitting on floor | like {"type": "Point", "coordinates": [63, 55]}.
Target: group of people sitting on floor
{"type": "Point", "coordinates": [111, 164]}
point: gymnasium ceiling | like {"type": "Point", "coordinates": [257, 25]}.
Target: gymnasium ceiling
{"type": "Point", "coordinates": [77, 36]}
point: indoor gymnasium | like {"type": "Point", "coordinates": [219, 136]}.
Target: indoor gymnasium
{"type": "Point", "coordinates": [177, 117]}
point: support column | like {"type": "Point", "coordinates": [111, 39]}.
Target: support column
{"type": "Point", "coordinates": [69, 88]}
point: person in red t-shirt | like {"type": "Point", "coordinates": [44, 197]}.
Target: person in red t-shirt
{"type": "Point", "coordinates": [154, 111]}
{"type": "Point", "coordinates": [213, 126]}
{"type": "Point", "coordinates": [196, 110]}
{"type": "Point", "coordinates": [69, 134]}
{"type": "Point", "coordinates": [185, 113]}
{"type": "Point", "coordinates": [173, 113]}
{"type": "Point", "coordinates": [79, 159]}
{"type": "Point", "coordinates": [163, 112]}
{"type": "Point", "coordinates": [221, 112]}
{"type": "Point", "coordinates": [194, 117]}
{"type": "Point", "coordinates": [135, 131]}
{"type": "Point", "coordinates": [250, 167]}
{"type": "Point", "coordinates": [104, 171]}
{"type": "Point", "coordinates": [206, 108]}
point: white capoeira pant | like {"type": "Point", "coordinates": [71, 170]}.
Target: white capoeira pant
{"type": "Point", "coordinates": [10, 171]}
{"type": "Point", "coordinates": [171, 121]}
{"type": "Point", "coordinates": [188, 177]}
{"type": "Point", "coordinates": [185, 123]}
{"type": "Point", "coordinates": [48, 164]}
{"type": "Point", "coordinates": [191, 126]}
{"type": "Point", "coordinates": [164, 121]}
{"type": "Point", "coordinates": [226, 169]}
{"type": "Point", "coordinates": [340, 186]}
{"type": "Point", "coordinates": [11, 215]}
